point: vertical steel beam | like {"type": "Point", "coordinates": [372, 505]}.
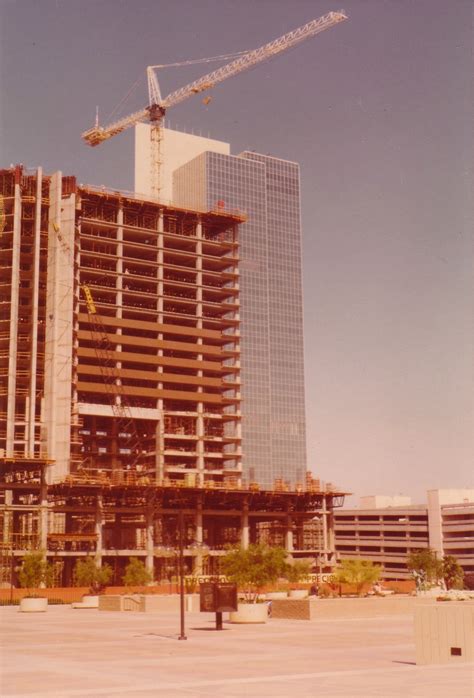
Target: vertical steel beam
{"type": "Point", "coordinates": [31, 416]}
{"type": "Point", "coordinates": [56, 420]}
{"type": "Point", "coordinates": [199, 324]}
{"type": "Point", "coordinates": [14, 309]}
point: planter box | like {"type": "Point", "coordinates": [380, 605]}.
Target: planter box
{"type": "Point", "coordinates": [298, 594]}
{"type": "Point", "coordinates": [444, 633]}
{"type": "Point", "coordinates": [274, 595]}
{"type": "Point", "coordinates": [88, 601]}
{"type": "Point", "coordinates": [33, 605]}
{"type": "Point", "coordinates": [294, 609]}
{"type": "Point", "coordinates": [250, 613]}
{"type": "Point", "coordinates": [146, 603]}
{"type": "Point", "coordinates": [119, 603]}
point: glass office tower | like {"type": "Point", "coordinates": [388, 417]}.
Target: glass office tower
{"type": "Point", "coordinates": [272, 369]}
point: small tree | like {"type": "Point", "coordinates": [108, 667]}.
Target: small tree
{"type": "Point", "coordinates": [453, 573]}
{"type": "Point", "coordinates": [425, 568]}
{"type": "Point", "coordinates": [357, 572]}
{"type": "Point", "coordinates": [87, 574]}
{"type": "Point", "coordinates": [297, 570]}
{"type": "Point", "coordinates": [469, 581]}
{"type": "Point", "coordinates": [35, 571]}
{"type": "Point", "coordinates": [191, 583]}
{"type": "Point", "coordinates": [253, 568]}
{"type": "Point", "coordinates": [136, 574]}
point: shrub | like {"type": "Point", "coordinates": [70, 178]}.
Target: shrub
{"type": "Point", "coordinates": [358, 572]}
{"type": "Point", "coordinates": [297, 570]}
{"type": "Point", "coordinates": [333, 584]}
{"type": "Point", "coordinates": [191, 584]}
{"type": "Point", "coordinates": [425, 568]}
{"type": "Point", "coordinates": [253, 568]}
{"type": "Point", "coordinates": [35, 571]}
{"type": "Point", "coordinates": [325, 592]}
{"type": "Point", "coordinates": [453, 573]}
{"type": "Point", "coordinates": [86, 573]}
{"type": "Point", "coordinates": [469, 581]}
{"type": "Point", "coordinates": [136, 574]}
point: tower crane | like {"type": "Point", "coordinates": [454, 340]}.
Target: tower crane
{"type": "Point", "coordinates": [155, 111]}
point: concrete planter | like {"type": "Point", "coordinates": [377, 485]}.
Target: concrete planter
{"type": "Point", "coordinates": [250, 613]}
{"type": "Point", "coordinates": [431, 593]}
{"type": "Point", "coordinates": [443, 632]}
{"type": "Point", "coordinates": [33, 605]}
{"type": "Point", "coordinates": [298, 594]}
{"type": "Point", "coordinates": [88, 601]}
{"type": "Point", "coordinates": [120, 602]}
{"type": "Point", "coordinates": [275, 595]}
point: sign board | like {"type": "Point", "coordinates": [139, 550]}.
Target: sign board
{"type": "Point", "coordinates": [217, 597]}
{"type": "Point", "coordinates": [226, 597]}
{"type": "Point", "coordinates": [207, 600]}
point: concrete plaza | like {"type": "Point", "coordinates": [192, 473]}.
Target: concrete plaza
{"type": "Point", "coordinates": [85, 653]}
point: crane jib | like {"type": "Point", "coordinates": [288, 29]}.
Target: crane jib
{"type": "Point", "coordinates": [97, 134]}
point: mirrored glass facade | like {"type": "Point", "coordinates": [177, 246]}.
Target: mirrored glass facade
{"type": "Point", "coordinates": [272, 369]}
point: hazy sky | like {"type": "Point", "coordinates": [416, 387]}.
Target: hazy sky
{"type": "Point", "coordinates": [378, 112]}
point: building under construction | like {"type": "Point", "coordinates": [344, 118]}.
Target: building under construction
{"type": "Point", "coordinates": [120, 387]}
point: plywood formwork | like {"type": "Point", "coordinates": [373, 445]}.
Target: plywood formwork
{"type": "Point", "coordinates": [114, 520]}
{"type": "Point", "coordinates": [164, 281]}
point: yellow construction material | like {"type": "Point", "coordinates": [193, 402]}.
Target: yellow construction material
{"type": "Point", "coordinates": [89, 300]}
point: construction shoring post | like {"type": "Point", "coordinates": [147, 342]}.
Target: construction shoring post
{"type": "Point", "coordinates": [44, 510]}
{"type": "Point", "coordinates": [12, 569]}
{"type": "Point", "coordinates": [182, 635]}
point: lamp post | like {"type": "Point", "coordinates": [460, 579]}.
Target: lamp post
{"type": "Point", "coordinates": [182, 635]}
{"type": "Point", "coordinates": [165, 551]}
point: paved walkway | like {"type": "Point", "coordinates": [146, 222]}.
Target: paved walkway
{"type": "Point", "coordinates": [86, 653]}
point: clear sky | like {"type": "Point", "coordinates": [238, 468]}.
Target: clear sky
{"type": "Point", "coordinates": [378, 112]}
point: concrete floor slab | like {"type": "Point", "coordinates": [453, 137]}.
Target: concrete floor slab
{"type": "Point", "coordinates": [67, 653]}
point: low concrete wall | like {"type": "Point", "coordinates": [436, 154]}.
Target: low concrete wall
{"type": "Point", "coordinates": [147, 603]}
{"type": "Point", "coordinates": [327, 609]}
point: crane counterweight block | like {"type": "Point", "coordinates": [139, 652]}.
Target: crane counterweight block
{"type": "Point", "coordinates": [95, 136]}
{"type": "Point", "coordinates": [156, 112]}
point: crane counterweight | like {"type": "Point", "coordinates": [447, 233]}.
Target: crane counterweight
{"type": "Point", "coordinates": [156, 112]}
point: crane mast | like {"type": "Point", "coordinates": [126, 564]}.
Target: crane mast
{"type": "Point", "coordinates": [155, 111]}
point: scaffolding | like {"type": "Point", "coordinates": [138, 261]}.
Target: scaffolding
{"type": "Point", "coordinates": [152, 383]}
